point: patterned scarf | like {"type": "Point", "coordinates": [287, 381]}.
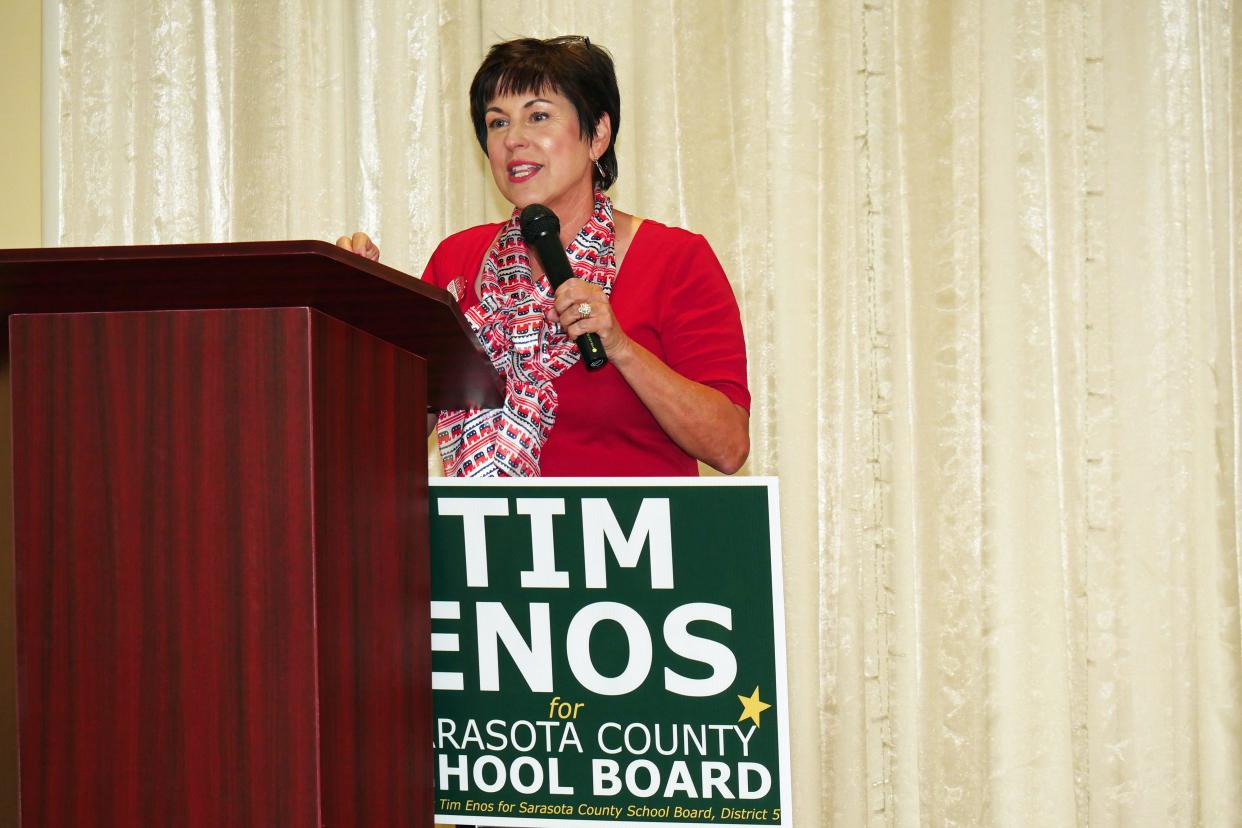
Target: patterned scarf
{"type": "Point", "coordinates": [525, 349]}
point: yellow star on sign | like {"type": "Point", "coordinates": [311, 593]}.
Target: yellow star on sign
{"type": "Point", "coordinates": [752, 707]}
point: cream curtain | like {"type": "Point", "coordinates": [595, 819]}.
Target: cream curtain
{"type": "Point", "coordinates": [987, 256]}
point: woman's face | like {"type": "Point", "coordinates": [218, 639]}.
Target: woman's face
{"type": "Point", "coordinates": [537, 153]}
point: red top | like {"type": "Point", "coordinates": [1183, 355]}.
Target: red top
{"type": "Point", "coordinates": [672, 297]}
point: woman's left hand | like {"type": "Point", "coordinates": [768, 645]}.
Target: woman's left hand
{"type": "Point", "coordinates": [698, 418]}
{"type": "Point", "coordinates": [566, 307]}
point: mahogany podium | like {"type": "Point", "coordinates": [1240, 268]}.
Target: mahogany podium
{"type": "Point", "coordinates": [219, 529]}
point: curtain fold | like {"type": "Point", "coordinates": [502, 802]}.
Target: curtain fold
{"type": "Point", "coordinates": [987, 259]}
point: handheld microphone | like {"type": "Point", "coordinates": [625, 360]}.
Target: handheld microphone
{"type": "Point", "coordinates": [541, 230]}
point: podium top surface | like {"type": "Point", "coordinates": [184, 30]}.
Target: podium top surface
{"type": "Point", "coordinates": [404, 311]}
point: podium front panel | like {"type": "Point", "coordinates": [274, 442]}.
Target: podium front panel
{"type": "Point", "coordinates": [216, 583]}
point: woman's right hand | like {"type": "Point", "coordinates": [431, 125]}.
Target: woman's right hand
{"type": "Point", "coordinates": [361, 244]}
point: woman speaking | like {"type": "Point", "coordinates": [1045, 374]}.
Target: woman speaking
{"type": "Point", "coordinates": [673, 391]}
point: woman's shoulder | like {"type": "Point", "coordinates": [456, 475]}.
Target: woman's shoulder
{"type": "Point", "coordinates": [656, 232]}
{"type": "Point", "coordinates": [459, 253]}
{"type": "Point", "coordinates": [654, 240]}
{"type": "Point", "coordinates": [471, 237]}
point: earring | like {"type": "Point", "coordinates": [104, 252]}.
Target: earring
{"type": "Point", "coordinates": [599, 169]}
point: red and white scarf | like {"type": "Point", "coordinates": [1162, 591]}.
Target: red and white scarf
{"type": "Point", "coordinates": [527, 350]}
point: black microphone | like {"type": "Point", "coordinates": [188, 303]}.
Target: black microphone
{"type": "Point", "coordinates": [542, 230]}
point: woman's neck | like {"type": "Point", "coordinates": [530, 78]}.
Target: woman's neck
{"type": "Point", "coordinates": [574, 214]}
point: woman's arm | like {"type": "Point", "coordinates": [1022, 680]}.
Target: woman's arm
{"type": "Point", "coordinates": [701, 420]}
{"type": "Point", "coordinates": [705, 423]}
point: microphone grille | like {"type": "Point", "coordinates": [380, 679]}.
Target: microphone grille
{"type": "Point", "coordinates": [537, 220]}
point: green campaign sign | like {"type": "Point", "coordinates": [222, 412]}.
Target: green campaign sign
{"type": "Point", "coordinates": [608, 651]}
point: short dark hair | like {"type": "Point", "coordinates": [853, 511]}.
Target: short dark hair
{"type": "Point", "coordinates": [571, 66]}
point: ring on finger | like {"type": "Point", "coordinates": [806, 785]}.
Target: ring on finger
{"type": "Point", "coordinates": [584, 310]}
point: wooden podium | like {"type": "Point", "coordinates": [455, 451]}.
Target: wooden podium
{"type": "Point", "coordinates": [219, 529]}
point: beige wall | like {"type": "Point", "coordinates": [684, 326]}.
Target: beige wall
{"type": "Point", "coordinates": [20, 210]}
{"type": "Point", "coordinates": [20, 202]}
